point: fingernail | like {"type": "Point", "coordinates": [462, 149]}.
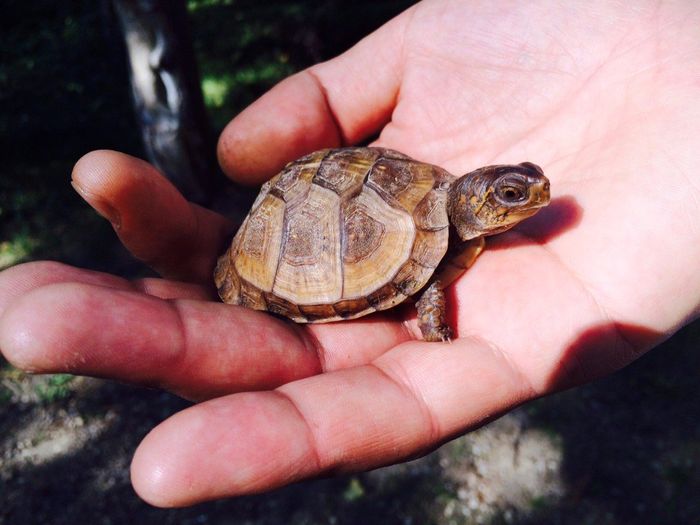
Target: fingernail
{"type": "Point", "coordinates": [101, 206]}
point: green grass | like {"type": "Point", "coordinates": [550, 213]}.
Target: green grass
{"type": "Point", "coordinates": [21, 387]}
{"type": "Point", "coordinates": [17, 249]}
{"type": "Point", "coordinates": [55, 388]}
{"type": "Point", "coordinates": [354, 490]}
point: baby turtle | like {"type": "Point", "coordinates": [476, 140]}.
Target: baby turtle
{"type": "Point", "coordinates": [341, 233]}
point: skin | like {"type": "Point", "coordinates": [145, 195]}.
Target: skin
{"type": "Point", "coordinates": [605, 97]}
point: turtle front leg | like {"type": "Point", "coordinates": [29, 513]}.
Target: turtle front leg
{"type": "Point", "coordinates": [432, 313]}
{"type": "Point", "coordinates": [432, 306]}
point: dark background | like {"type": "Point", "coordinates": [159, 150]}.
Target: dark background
{"type": "Point", "coordinates": [630, 443]}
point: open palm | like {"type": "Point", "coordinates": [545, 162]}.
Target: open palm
{"type": "Point", "coordinates": [605, 100]}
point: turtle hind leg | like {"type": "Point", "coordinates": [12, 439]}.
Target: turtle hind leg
{"type": "Point", "coordinates": [432, 310]}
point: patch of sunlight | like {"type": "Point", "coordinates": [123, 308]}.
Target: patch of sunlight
{"type": "Point", "coordinates": [215, 90]}
{"type": "Point", "coordinates": [40, 435]}
{"type": "Point", "coordinates": [16, 250]}
{"type": "Point", "coordinates": [266, 72]}
{"type": "Point", "coordinates": [40, 442]}
{"type": "Point", "coordinates": [502, 468]}
{"type": "Point", "coordinates": [354, 490]}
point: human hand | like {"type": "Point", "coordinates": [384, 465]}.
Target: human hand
{"type": "Point", "coordinates": [605, 98]}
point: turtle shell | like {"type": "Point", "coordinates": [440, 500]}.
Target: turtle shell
{"type": "Point", "coordinates": [339, 234]}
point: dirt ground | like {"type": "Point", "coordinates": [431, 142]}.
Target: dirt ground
{"type": "Point", "coordinates": [623, 450]}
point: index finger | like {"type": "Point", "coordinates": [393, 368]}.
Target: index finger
{"type": "Point", "coordinates": [177, 238]}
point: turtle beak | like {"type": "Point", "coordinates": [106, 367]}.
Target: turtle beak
{"type": "Point", "coordinates": [539, 192]}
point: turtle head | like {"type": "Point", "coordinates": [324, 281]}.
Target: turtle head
{"type": "Point", "coordinates": [493, 199]}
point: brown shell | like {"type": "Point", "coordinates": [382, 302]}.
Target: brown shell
{"type": "Point", "coordinates": [339, 234]}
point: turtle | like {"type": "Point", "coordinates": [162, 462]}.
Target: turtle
{"type": "Point", "coordinates": [341, 233]}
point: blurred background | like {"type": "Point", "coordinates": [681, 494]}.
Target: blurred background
{"type": "Point", "coordinates": [625, 449]}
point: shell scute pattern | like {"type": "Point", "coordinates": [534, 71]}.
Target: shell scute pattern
{"type": "Point", "coordinates": [293, 183]}
{"type": "Point", "coordinates": [344, 171]}
{"type": "Point", "coordinates": [430, 213]}
{"type": "Point", "coordinates": [363, 235]}
{"type": "Point", "coordinates": [373, 259]}
{"type": "Point", "coordinates": [401, 183]}
{"type": "Point", "coordinates": [256, 258]}
{"type": "Point", "coordinates": [309, 271]}
{"type": "Point", "coordinates": [338, 234]}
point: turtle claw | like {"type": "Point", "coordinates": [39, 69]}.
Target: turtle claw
{"type": "Point", "coordinates": [431, 314]}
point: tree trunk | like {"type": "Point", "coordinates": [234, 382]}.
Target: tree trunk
{"type": "Point", "coordinates": [167, 94]}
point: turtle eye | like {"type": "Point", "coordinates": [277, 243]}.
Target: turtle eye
{"type": "Point", "coordinates": [511, 193]}
{"type": "Point", "coordinates": [511, 190]}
